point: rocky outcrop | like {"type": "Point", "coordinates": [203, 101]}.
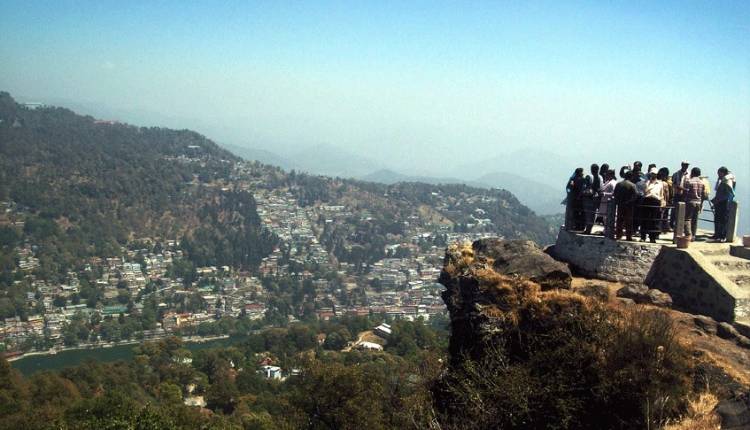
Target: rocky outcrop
{"type": "Point", "coordinates": [524, 258]}
{"type": "Point", "coordinates": [526, 350]}
{"type": "Point", "coordinates": [505, 271]}
{"type": "Point", "coordinates": [640, 293]}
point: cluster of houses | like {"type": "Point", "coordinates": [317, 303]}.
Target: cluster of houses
{"type": "Point", "coordinates": [402, 285]}
{"type": "Point", "coordinates": [406, 287]}
{"type": "Point", "coordinates": [407, 305]}
{"type": "Point", "coordinates": [292, 224]}
{"type": "Point", "coordinates": [125, 283]}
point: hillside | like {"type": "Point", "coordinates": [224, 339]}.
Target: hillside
{"type": "Point", "coordinates": [543, 199]}
{"type": "Point", "coordinates": [82, 188]}
{"type": "Point", "coordinates": [176, 235]}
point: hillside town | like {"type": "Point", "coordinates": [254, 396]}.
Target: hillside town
{"type": "Point", "coordinates": [149, 292]}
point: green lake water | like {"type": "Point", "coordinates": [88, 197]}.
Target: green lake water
{"type": "Point", "coordinates": [61, 360]}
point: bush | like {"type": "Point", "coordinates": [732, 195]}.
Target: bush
{"type": "Point", "coordinates": [564, 361]}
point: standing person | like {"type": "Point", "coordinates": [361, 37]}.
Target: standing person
{"type": "Point", "coordinates": [603, 170]}
{"type": "Point", "coordinates": [694, 193]}
{"type": "Point", "coordinates": [625, 195]}
{"type": "Point", "coordinates": [653, 200]}
{"type": "Point", "coordinates": [574, 205]}
{"type": "Point", "coordinates": [663, 175]}
{"type": "Point", "coordinates": [679, 179]}
{"type": "Point", "coordinates": [724, 195]}
{"type": "Point", "coordinates": [606, 192]}
{"type": "Point", "coordinates": [587, 194]}
{"type": "Point", "coordinates": [636, 170]}
{"type": "Point", "coordinates": [639, 212]}
{"type": "Point", "coordinates": [591, 198]}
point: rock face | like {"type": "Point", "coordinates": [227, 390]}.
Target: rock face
{"type": "Point", "coordinates": [525, 258]}
{"type": "Point", "coordinates": [642, 294]}
{"type": "Point", "coordinates": [473, 305]}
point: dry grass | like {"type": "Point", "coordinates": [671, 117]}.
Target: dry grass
{"type": "Point", "coordinates": [736, 370]}
{"type": "Point", "coordinates": [700, 415]}
{"type": "Point", "coordinates": [462, 257]}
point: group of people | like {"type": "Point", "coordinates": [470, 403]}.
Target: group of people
{"type": "Point", "coordinates": [645, 202]}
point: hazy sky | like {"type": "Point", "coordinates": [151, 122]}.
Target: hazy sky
{"type": "Point", "coordinates": [411, 82]}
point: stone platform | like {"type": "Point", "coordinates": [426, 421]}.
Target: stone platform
{"type": "Point", "coordinates": [595, 256]}
{"type": "Point", "coordinates": [707, 278]}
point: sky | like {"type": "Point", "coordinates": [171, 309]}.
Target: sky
{"type": "Point", "coordinates": [424, 87]}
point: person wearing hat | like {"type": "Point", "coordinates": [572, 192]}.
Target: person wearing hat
{"type": "Point", "coordinates": [679, 179]}
{"type": "Point", "coordinates": [653, 201]}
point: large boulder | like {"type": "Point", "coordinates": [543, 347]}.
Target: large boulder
{"type": "Point", "coordinates": [526, 259]}
{"type": "Point", "coordinates": [642, 294]}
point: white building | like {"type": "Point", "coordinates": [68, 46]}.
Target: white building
{"type": "Point", "coordinates": [270, 372]}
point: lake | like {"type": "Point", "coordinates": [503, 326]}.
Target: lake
{"type": "Point", "coordinates": [63, 359]}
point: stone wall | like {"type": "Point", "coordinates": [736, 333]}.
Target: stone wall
{"type": "Point", "coordinates": [603, 258]}
{"type": "Point", "coordinates": [697, 286]}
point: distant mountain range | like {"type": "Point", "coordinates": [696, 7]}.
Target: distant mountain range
{"type": "Point", "coordinates": [538, 193]}
{"type": "Point", "coordinates": [541, 198]}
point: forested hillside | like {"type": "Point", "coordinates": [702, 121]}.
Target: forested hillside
{"type": "Point", "coordinates": [88, 187]}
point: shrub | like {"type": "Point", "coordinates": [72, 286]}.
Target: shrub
{"type": "Point", "coordinates": [565, 361]}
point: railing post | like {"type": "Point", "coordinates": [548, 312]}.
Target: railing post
{"type": "Point", "coordinates": [679, 225]}
{"type": "Point", "coordinates": [733, 215]}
